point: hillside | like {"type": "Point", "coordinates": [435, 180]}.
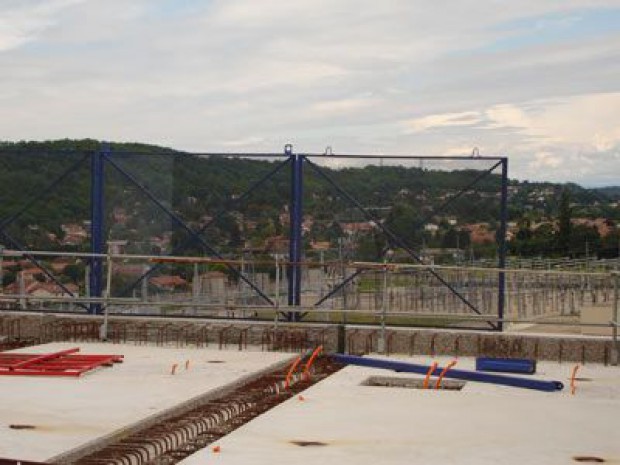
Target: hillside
{"type": "Point", "coordinates": [201, 189]}
{"type": "Point", "coordinates": [611, 192]}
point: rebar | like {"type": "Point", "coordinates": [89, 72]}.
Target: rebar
{"type": "Point", "coordinates": [173, 439]}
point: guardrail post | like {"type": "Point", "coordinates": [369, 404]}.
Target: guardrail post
{"type": "Point", "coordinates": [1, 270]}
{"type": "Point", "coordinates": [501, 294]}
{"type": "Point", "coordinates": [381, 343]}
{"type": "Point", "coordinates": [615, 353]}
{"type": "Point", "coordinates": [103, 330]}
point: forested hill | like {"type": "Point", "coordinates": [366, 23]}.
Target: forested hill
{"type": "Point", "coordinates": [610, 192]}
{"type": "Point", "coordinates": [198, 188]}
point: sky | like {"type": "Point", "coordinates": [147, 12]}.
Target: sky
{"type": "Point", "coordinates": [534, 80]}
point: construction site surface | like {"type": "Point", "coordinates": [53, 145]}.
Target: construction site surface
{"type": "Point", "coordinates": [352, 415]}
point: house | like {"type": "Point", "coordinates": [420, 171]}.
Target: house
{"type": "Point", "coordinates": [117, 247]}
{"type": "Point", "coordinates": [479, 233]}
{"type": "Point", "coordinates": [41, 289]}
{"type": "Point", "coordinates": [431, 228]}
{"type": "Point", "coordinates": [74, 234]}
{"type": "Point", "coordinates": [307, 223]}
{"type": "Point", "coordinates": [59, 265]}
{"type": "Point", "coordinates": [119, 215]}
{"type": "Point", "coordinates": [129, 269]}
{"type": "Point", "coordinates": [602, 225]}
{"type": "Point", "coordinates": [168, 283]}
{"type": "Point", "coordinates": [357, 228]}
{"type": "Point", "coordinates": [276, 244]}
{"type": "Point", "coordinates": [214, 285]}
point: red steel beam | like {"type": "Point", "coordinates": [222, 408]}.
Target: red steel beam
{"type": "Point", "coordinates": [42, 358]}
{"type": "Point", "coordinates": [61, 363]}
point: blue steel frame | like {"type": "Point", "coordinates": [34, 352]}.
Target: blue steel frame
{"type": "Point", "coordinates": [295, 237]}
{"type": "Point", "coordinates": [97, 224]}
{"type": "Point", "coordinates": [397, 241]}
{"type": "Point", "coordinates": [104, 155]}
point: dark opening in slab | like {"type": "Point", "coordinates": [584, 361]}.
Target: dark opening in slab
{"type": "Point", "coordinates": [412, 383]}
{"type": "Point", "coordinates": [588, 459]}
{"type": "Point", "coordinates": [22, 426]}
{"type": "Point", "coordinates": [309, 443]}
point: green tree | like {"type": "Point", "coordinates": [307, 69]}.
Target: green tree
{"type": "Point", "coordinates": [404, 223]}
{"type": "Point", "coordinates": [584, 241]}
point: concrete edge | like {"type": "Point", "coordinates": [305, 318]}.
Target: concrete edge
{"type": "Point", "coordinates": [77, 453]}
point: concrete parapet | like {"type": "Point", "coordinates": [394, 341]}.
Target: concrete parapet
{"type": "Point", "coordinates": [240, 334]}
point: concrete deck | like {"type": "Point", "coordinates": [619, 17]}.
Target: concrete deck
{"type": "Point", "coordinates": [483, 424]}
{"type": "Point", "coordinates": [71, 412]}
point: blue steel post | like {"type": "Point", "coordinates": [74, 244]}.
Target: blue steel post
{"type": "Point", "coordinates": [97, 224]}
{"type": "Point", "coordinates": [501, 294]}
{"type": "Point", "coordinates": [295, 215]}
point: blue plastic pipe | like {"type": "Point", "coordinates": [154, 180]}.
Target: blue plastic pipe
{"type": "Point", "coordinates": [539, 385]}
{"type": "Point", "coordinates": [506, 365]}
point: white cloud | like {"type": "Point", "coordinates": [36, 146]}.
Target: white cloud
{"type": "Point", "coordinates": [591, 121]}
{"type": "Point", "coordinates": [399, 76]}
{"type": "Point", "coordinates": [251, 141]}
{"type": "Point", "coordinates": [466, 118]}
{"type": "Point", "coordinates": [344, 106]}
{"type": "Point", "coordinates": [507, 116]}
{"type": "Point", "coordinates": [545, 160]}
{"type": "Point", "coordinates": [22, 22]}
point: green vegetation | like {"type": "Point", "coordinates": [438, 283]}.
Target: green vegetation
{"type": "Point", "coordinates": [422, 206]}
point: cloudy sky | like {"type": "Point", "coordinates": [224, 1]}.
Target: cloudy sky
{"type": "Point", "coordinates": [535, 80]}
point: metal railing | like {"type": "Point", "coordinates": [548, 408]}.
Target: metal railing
{"type": "Point", "coordinates": [386, 284]}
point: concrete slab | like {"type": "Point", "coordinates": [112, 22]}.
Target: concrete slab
{"type": "Point", "coordinates": [71, 412]}
{"type": "Point", "coordinates": [342, 422]}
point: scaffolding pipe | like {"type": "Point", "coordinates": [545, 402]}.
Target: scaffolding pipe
{"type": "Point", "coordinates": [97, 224]}
{"type": "Point", "coordinates": [465, 375]}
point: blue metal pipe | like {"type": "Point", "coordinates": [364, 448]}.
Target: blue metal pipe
{"type": "Point", "coordinates": [403, 157]}
{"type": "Point", "coordinates": [506, 365]}
{"type": "Point", "coordinates": [97, 224]}
{"type": "Point", "coordinates": [465, 375]}
{"type": "Point", "coordinates": [295, 236]}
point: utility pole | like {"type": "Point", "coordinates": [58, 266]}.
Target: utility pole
{"type": "Point", "coordinates": [343, 275]}
{"type": "Point", "coordinates": [382, 345]}
{"type": "Point", "coordinates": [145, 284]}
{"type": "Point", "coordinates": [276, 316]}
{"type": "Point", "coordinates": [196, 287]}
{"type": "Point", "coordinates": [103, 334]}
{"type": "Point", "coordinates": [618, 256]}
{"type": "Point", "coordinates": [614, 329]}
{"type": "Point", "coordinates": [1, 270]}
